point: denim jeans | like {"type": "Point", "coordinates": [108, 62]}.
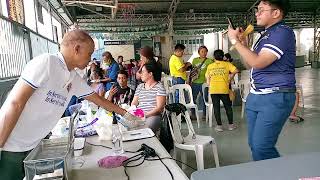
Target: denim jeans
{"type": "Point", "coordinates": [177, 80]}
{"type": "Point", "coordinates": [196, 89]}
{"type": "Point", "coordinates": [266, 115]}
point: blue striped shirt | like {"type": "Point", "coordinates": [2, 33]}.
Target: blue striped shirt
{"type": "Point", "coordinates": [278, 39]}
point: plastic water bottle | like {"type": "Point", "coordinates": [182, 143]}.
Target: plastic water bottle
{"type": "Point", "coordinates": [116, 137]}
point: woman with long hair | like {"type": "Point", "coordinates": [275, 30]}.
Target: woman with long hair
{"type": "Point", "coordinates": [95, 83]}
{"type": "Point", "coordinates": [146, 55]}
{"type": "Point", "coordinates": [150, 95]}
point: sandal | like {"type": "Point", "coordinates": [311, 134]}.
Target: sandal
{"type": "Point", "coordinates": [298, 119]}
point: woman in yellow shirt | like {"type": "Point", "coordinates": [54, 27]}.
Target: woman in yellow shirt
{"type": "Point", "coordinates": [218, 79]}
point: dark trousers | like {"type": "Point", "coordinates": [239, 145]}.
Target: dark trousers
{"type": "Point", "coordinates": [11, 165]}
{"type": "Point", "coordinates": [227, 105]}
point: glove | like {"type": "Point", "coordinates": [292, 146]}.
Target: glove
{"type": "Point", "coordinates": [132, 121]}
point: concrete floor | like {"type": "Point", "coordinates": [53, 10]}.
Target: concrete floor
{"type": "Point", "coordinates": [295, 138]}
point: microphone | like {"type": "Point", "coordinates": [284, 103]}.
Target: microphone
{"type": "Point", "coordinates": [248, 31]}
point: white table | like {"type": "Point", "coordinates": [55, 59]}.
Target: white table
{"type": "Point", "coordinates": [290, 167]}
{"type": "Point", "coordinates": [149, 170]}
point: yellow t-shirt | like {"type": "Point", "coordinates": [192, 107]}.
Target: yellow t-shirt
{"type": "Point", "coordinates": [218, 72]}
{"type": "Point", "coordinates": [176, 63]}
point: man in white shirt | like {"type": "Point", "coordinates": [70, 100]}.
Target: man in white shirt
{"type": "Point", "coordinates": [40, 97]}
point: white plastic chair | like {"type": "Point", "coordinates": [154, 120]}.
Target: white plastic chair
{"type": "Point", "coordinates": [236, 80]}
{"type": "Point", "coordinates": [192, 142]}
{"type": "Point", "coordinates": [207, 103]}
{"type": "Point", "coordinates": [244, 86]}
{"type": "Point", "coordinates": [185, 89]}
{"type": "Point", "coordinates": [167, 83]}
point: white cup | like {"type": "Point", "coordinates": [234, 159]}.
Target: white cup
{"type": "Point", "coordinates": [79, 146]}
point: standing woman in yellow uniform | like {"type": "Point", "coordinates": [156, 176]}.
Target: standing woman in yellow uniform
{"type": "Point", "coordinates": [218, 79]}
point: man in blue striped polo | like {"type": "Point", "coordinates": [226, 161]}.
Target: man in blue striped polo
{"type": "Point", "coordinates": [272, 62]}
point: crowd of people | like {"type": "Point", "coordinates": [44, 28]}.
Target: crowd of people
{"type": "Point", "coordinates": [218, 73]}
{"type": "Point", "coordinates": [146, 92]}
{"type": "Point", "coordinates": [136, 83]}
{"type": "Point", "coordinates": [272, 98]}
{"type": "Point", "coordinates": [139, 83]}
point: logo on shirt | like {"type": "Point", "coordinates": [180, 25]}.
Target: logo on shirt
{"type": "Point", "coordinates": [218, 72]}
{"type": "Point", "coordinates": [265, 36]}
{"type": "Point", "coordinates": [55, 98]}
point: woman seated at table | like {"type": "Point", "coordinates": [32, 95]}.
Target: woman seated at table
{"type": "Point", "coordinates": [95, 83]}
{"type": "Point", "coordinates": [150, 95]}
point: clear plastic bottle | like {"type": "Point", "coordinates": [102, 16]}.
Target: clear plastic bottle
{"type": "Point", "coordinates": [116, 137]}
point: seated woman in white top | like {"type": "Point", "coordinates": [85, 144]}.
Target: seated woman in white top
{"type": "Point", "coordinates": [150, 95]}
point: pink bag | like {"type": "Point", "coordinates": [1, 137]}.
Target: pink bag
{"type": "Point", "coordinates": [112, 161]}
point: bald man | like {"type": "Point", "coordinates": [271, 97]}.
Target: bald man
{"type": "Point", "coordinates": [40, 97]}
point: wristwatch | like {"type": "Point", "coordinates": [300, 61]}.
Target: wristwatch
{"type": "Point", "coordinates": [234, 41]}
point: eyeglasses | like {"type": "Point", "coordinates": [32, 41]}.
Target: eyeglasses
{"type": "Point", "coordinates": [259, 11]}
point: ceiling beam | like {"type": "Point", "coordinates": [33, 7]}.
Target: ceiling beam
{"type": "Point", "coordinates": [114, 10]}
{"type": "Point", "coordinates": [107, 4]}
{"type": "Point", "coordinates": [173, 7]}
{"type": "Point", "coordinates": [138, 17]}
{"type": "Point", "coordinates": [90, 10]}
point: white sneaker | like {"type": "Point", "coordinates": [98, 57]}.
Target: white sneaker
{"type": "Point", "coordinates": [231, 127]}
{"type": "Point", "coordinates": [218, 128]}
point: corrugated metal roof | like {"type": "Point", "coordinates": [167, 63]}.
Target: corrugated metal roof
{"type": "Point", "coordinates": [190, 14]}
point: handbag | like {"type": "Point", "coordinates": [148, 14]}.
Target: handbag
{"type": "Point", "coordinates": [195, 73]}
{"type": "Point", "coordinates": [232, 95]}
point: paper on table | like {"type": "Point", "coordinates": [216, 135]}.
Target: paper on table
{"type": "Point", "coordinates": [137, 134]}
{"type": "Point", "coordinates": [310, 178]}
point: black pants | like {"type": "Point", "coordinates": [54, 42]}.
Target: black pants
{"type": "Point", "coordinates": [11, 165]}
{"type": "Point", "coordinates": [227, 105]}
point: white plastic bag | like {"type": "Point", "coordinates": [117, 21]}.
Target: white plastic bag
{"type": "Point", "coordinates": [61, 128]}
{"type": "Point", "coordinates": [104, 125]}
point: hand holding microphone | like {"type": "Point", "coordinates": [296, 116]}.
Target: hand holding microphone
{"type": "Point", "coordinates": [248, 31]}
